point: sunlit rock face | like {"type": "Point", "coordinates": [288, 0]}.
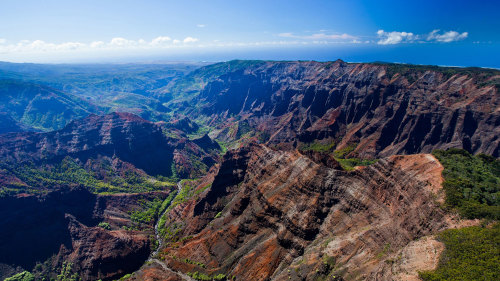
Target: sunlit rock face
{"type": "Point", "coordinates": [273, 215]}
{"type": "Point", "coordinates": [383, 111]}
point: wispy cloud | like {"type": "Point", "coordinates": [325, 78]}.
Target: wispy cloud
{"type": "Point", "coordinates": [394, 37]}
{"type": "Point", "coordinates": [97, 44]}
{"type": "Point", "coordinates": [117, 43]}
{"type": "Point", "coordinates": [319, 36]}
{"type": "Point", "coordinates": [188, 40]}
{"type": "Point", "coordinates": [122, 42]}
{"type": "Point", "coordinates": [160, 40]}
{"type": "Point", "coordinates": [25, 48]}
{"type": "Point", "coordinates": [398, 37]}
{"type": "Point", "coordinates": [201, 25]}
{"type": "Point", "coordinates": [446, 37]}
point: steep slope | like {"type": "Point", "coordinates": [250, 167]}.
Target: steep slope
{"type": "Point", "coordinates": [116, 152]}
{"type": "Point", "coordinates": [41, 107]}
{"type": "Point", "coordinates": [41, 233]}
{"type": "Point", "coordinates": [9, 125]}
{"type": "Point", "coordinates": [117, 87]}
{"type": "Point", "coordinates": [280, 205]}
{"type": "Point", "coordinates": [279, 215]}
{"type": "Point", "coordinates": [127, 136]}
{"type": "Point", "coordinates": [379, 109]}
{"type": "Point", "coordinates": [56, 185]}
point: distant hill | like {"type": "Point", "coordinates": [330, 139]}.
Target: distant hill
{"type": "Point", "coordinates": [41, 107]}
{"type": "Point", "coordinates": [8, 125]}
{"type": "Point", "coordinates": [116, 87]}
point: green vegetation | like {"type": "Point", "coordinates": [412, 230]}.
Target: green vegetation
{"type": "Point", "coordinates": [200, 132]}
{"type": "Point", "coordinates": [223, 146]}
{"type": "Point", "coordinates": [66, 273]}
{"type": "Point", "coordinates": [104, 225]}
{"type": "Point", "coordinates": [170, 231]}
{"type": "Point", "coordinates": [319, 147]}
{"type": "Point", "coordinates": [150, 211]}
{"type": "Point", "coordinates": [341, 155]}
{"type": "Point", "coordinates": [166, 204]}
{"type": "Point", "coordinates": [201, 276]}
{"type": "Point", "coordinates": [187, 192]}
{"type": "Point", "coordinates": [472, 183]}
{"type": "Point", "coordinates": [327, 270]}
{"type": "Point", "coordinates": [69, 172]}
{"type": "Point", "coordinates": [472, 253]}
{"type": "Point", "coordinates": [472, 186]}
{"type": "Point", "coordinates": [34, 100]}
{"type": "Point", "coordinates": [350, 163]}
{"type": "Point", "coordinates": [494, 82]}
{"type": "Point", "coordinates": [385, 250]}
{"type": "Point", "coordinates": [125, 277]}
{"type": "Point", "coordinates": [41, 107]}
{"type": "Point", "coordinates": [329, 261]}
{"type": "Point", "coordinates": [186, 260]}
{"type": "Point", "coordinates": [190, 85]}
{"type": "Point", "coordinates": [412, 72]}
{"type": "Point", "coordinates": [243, 130]}
{"type": "Point", "coordinates": [23, 276]}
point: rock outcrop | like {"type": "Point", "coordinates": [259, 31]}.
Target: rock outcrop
{"type": "Point", "coordinates": [279, 206]}
{"type": "Point", "coordinates": [123, 136]}
{"type": "Point", "coordinates": [380, 110]}
{"type": "Point", "coordinates": [279, 215]}
{"type": "Point", "coordinates": [62, 226]}
{"type": "Point", "coordinates": [129, 137]}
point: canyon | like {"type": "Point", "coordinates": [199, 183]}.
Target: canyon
{"type": "Point", "coordinates": [249, 170]}
{"type": "Point", "coordinates": [382, 111]}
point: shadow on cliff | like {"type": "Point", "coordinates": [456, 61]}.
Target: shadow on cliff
{"type": "Point", "coordinates": [34, 228]}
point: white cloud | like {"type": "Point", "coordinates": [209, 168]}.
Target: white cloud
{"type": "Point", "coordinates": [397, 37]}
{"type": "Point", "coordinates": [96, 44]}
{"type": "Point", "coordinates": [190, 40]}
{"type": "Point", "coordinates": [70, 46]}
{"type": "Point", "coordinates": [117, 43]}
{"type": "Point", "coordinates": [41, 45]}
{"type": "Point", "coordinates": [160, 40]}
{"type": "Point", "coordinates": [319, 36]}
{"type": "Point", "coordinates": [446, 37]}
{"type": "Point", "coordinates": [394, 37]}
{"type": "Point", "coordinates": [286, 34]}
{"type": "Point", "coordinates": [121, 42]}
{"type": "Point", "coordinates": [201, 25]}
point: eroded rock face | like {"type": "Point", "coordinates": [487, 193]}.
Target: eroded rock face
{"type": "Point", "coordinates": [106, 255]}
{"type": "Point", "coordinates": [360, 103]}
{"type": "Point", "coordinates": [62, 226]}
{"type": "Point", "coordinates": [284, 216]}
{"type": "Point", "coordinates": [419, 255]}
{"type": "Point", "coordinates": [123, 137]}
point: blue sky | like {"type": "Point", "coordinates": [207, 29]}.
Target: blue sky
{"type": "Point", "coordinates": [464, 33]}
